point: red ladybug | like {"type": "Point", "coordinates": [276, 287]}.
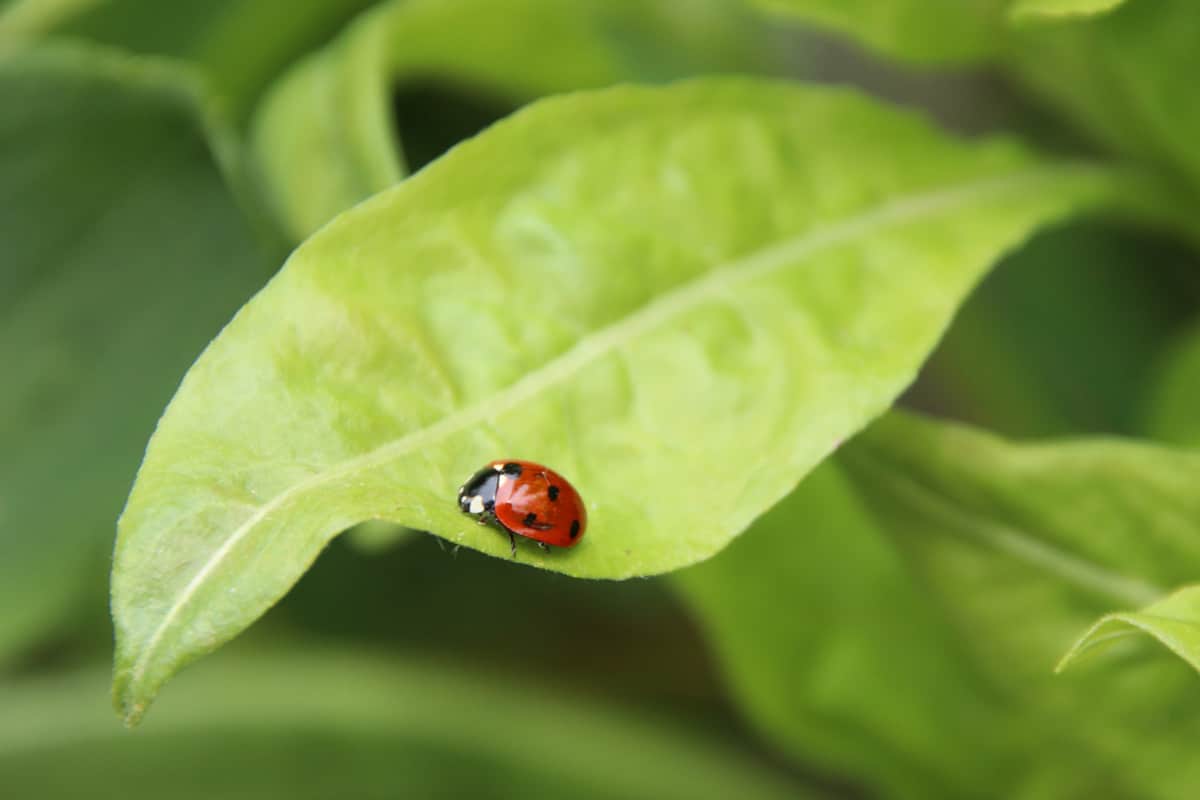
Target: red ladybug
{"type": "Point", "coordinates": [528, 500]}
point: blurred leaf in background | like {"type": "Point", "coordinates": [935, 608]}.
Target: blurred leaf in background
{"type": "Point", "coordinates": [1066, 335]}
{"type": "Point", "coordinates": [898, 623]}
{"type": "Point", "coordinates": [317, 723]}
{"type": "Point", "coordinates": [920, 31]}
{"type": "Point", "coordinates": [411, 78]}
{"type": "Point", "coordinates": [1057, 10]}
{"type": "Point", "coordinates": [1023, 547]}
{"type": "Point", "coordinates": [1174, 395]}
{"type": "Point", "coordinates": [1125, 79]}
{"type": "Point", "coordinates": [237, 45]}
{"type": "Point", "coordinates": [834, 651]}
{"type": "Point", "coordinates": [123, 253]}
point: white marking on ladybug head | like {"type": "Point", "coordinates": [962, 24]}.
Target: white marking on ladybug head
{"type": "Point", "coordinates": [498, 467]}
{"type": "Point", "coordinates": [476, 506]}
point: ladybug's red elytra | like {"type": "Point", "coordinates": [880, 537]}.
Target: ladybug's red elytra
{"type": "Point", "coordinates": [525, 499]}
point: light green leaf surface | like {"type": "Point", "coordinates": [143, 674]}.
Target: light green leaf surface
{"type": "Point", "coordinates": [1174, 621]}
{"type": "Point", "coordinates": [122, 255]}
{"type": "Point", "coordinates": [1045, 10]}
{"type": "Point", "coordinates": [710, 285]}
{"type": "Point", "coordinates": [240, 45]}
{"type": "Point", "coordinates": [1174, 397]}
{"type": "Point", "coordinates": [836, 653]}
{"type": "Point", "coordinates": [327, 135]}
{"type": "Point", "coordinates": [922, 31]}
{"type": "Point", "coordinates": [305, 724]}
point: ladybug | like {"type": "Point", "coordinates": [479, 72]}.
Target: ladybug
{"type": "Point", "coordinates": [525, 499]}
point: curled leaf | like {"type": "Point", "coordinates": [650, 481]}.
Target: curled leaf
{"type": "Point", "coordinates": [1174, 621]}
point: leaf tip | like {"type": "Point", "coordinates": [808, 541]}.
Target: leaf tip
{"type": "Point", "coordinates": [1067, 660]}
{"type": "Point", "coordinates": [130, 707]}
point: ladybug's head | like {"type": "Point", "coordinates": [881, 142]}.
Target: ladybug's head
{"type": "Point", "coordinates": [478, 495]}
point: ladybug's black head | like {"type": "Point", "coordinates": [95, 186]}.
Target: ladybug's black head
{"type": "Point", "coordinates": [478, 495]}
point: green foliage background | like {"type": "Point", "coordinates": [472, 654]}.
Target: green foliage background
{"type": "Point", "coordinates": [984, 592]}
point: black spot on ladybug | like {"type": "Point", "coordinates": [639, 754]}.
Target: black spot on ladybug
{"type": "Point", "coordinates": [512, 469]}
{"type": "Point", "coordinates": [530, 518]}
{"type": "Point", "coordinates": [553, 492]}
{"type": "Point", "coordinates": [574, 529]}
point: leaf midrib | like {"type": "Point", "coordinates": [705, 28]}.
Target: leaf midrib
{"type": "Point", "coordinates": [888, 214]}
{"type": "Point", "coordinates": [1083, 574]}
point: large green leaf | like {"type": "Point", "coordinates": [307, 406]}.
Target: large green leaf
{"type": "Point", "coordinates": [303, 725]}
{"type": "Point", "coordinates": [1024, 546]}
{"type": "Point", "coordinates": [931, 675]}
{"type": "Point", "coordinates": [1174, 621]}
{"type": "Point", "coordinates": [931, 31]}
{"type": "Point", "coordinates": [834, 651]}
{"type": "Point", "coordinates": [122, 255]}
{"type": "Point", "coordinates": [326, 136]}
{"type": "Point", "coordinates": [682, 298]}
{"type": "Point", "coordinates": [1070, 530]}
{"type": "Point", "coordinates": [239, 44]}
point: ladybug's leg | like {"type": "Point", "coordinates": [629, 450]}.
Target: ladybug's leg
{"type": "Point", "coordinates": [512, 540]}
{"type": "Point", "coordinates": [545, 547]}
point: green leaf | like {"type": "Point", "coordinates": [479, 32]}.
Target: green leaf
{"type": "Point", "coordinates": [1042, 10]}
{"type": "Point", "coordinates": [1125, 78]}
{"type": "Point", "coordinates": [927, 672]}
{"type": "Point", "coordinates": [1068, 530]}
{"type": "Point", "coordinates": [1071, 530]}
{"type": "Point", "coordinates": [240, 45]}
{"type": "Point", "coordinates": [922, 31]}
{"type": "Point", "coordinates": [837, 654]}
{"type": "Point", "coordinates": [327, 136]}
{"type": "Point", "coordinates": [122, 254]}
{"type": "Point", "coordinates": [294, 724]}
{"type": "Point", "coordinates": [1174, 621]}
{"type": "Point", "coordinates": [611, 283]}
{"type": "Point", "coordinates": [1174, 406]}
{"type": "Point", "coordinates": [1023, 547]}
